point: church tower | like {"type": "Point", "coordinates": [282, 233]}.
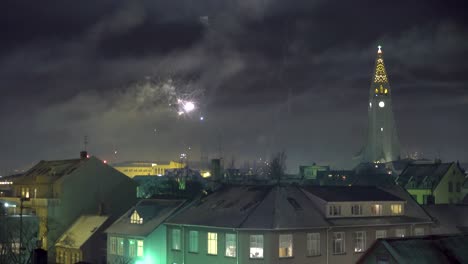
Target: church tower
{"type": "Point", "coordinates": [382, 140]}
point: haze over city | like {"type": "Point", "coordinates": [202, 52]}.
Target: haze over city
{"type": "Point", "coordinates": [265, 76]}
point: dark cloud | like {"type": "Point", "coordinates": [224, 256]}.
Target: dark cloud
{"type": "Point", "coordinates": [269, 74]}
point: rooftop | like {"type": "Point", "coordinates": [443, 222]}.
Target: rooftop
{"type": "Point", "coordinates": [81, 231]}
{"type": "Point", "coordinates": [351, 194]}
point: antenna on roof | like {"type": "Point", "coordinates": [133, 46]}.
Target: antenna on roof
{"type": "Point", "coordinates": [84, 153]}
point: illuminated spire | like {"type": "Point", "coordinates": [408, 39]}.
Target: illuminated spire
{"type": "Point", "coordinates": [380, 75]}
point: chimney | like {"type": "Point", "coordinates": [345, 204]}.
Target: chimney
{"type": "Point", "coordinates": [83, 154]}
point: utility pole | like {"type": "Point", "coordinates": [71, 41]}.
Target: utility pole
{"type": "Point", "coordinates": [21, 248]}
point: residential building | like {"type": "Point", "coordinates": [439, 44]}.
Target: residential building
{"type": "Point", "coordinates": [60, 191]}
{"type": "Point", "coordinates": [139, 168]}
{"type": "Point", "coordinates": [138, 236]}
{"type": "Point", "coordinates": [291, 224]}
{"type": "Point", "coordinates": [83, 241]}
{"type": "Point", "coordinates": [425, 249]}
{"type": "Point", "coordinates": [434, 183]}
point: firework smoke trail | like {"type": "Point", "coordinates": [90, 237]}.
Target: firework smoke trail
{"type": "Point", "coordinates": [176, 95]}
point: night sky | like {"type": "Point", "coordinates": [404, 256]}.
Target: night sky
{"type": "Point", "coordinates": [267, 75]}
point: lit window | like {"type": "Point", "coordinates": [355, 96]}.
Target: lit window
{"type": "Point", "coordinates": [338, 243]}
{"type": "Point", "coordinates": [120, 246]}
{"type": "Point", "coordinates": [231, 246]}
{"type": "Point", "coordinates": [380, 234]}
{"type": "Point", "coordinates": [400, 232]}
{"type": "Point", "coordinates": [175, 239]}
{"type": "Point", "coordinates": [131, 248]}
{"type": "Point", "coordinates": [419, 231]}
{"type": "Point", "coordinates": [212, 243]}
{"type": "Point", "coordinates": [376, 209]}
{"type": "Point", "coordinates": [193, 241]}
{"type": "Point", "coordinates": [140, 248]}
{"type": "Point", "coordinates": [256, 246]}
{"type": "Point", "coordinates": [360, 241]}
{"type": "Point", "coordinates": [356, 209]}
{"type": "Point", "coordinates": [285, 246]}
{"type": "Point", "coordinates": [313, 244]}
{"type": "Point", "coordinates": [113, 245]}
{"type": "Point", "coordinates": [396, 209]}
{"type": "Point", "coordinates": [334, 210]}
{"type": "Point", "coordinates": [135, 218]}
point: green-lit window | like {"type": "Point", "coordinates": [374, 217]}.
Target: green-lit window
{"type": "Point", "coordinates": [231, 245]}
{"type": "Point", "coordinates": [139, 248]}
{"type": "Point", "coordinates": [113, 245]}
{"type": "Point", "coordinates": [193, 241]}
{"type": "Point", "coordinates": [131, 248]}
{"type": "Point", "coordinates": [175, 239]}
{"type": "Point", "coordinates": [120, 246]}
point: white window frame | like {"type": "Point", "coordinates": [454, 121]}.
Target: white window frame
{"type": "Point", "coordinates": [376, 209]}
{"type": "Point", "coordinates": [339, 239]}
{"type": "Point", "coordinates": [313, 244]}
{"type": "Point", "coordinates": [397, 209]}
{"type": "Point", "coordinates": [231, 245]}
{"type": "Point", "coordinates": [256, 246]}
{"type": "Point", "coordinates": [285, 243]}
{"type": "Point", "coordinates": [175, 239]}
{"type": "Point", "coordinates": [334, 210]}
{"type": "Point", "coordinates": [193, 241]}
{"type": "Point", "coordinates": [212, 243]}
{"type": "Point", "coordinates": [380, 234]}
{"type": "Point", "coordinates": [359, 241]}
{"type": "Point", "coordinates": [135, 218]}
{"type": "Point", "coordinates": [120, 246]}
{"type": "Point", "coordinates": [112, 245]}
{"type": "Point", "coordinates": [140, 248]}
{"type": "Point", "coordinates": [400, 232]}
{"type": "Point", "coordinates": [353, 209]}
{"type": "Point", "coordinates": [132, 248]}
{"type": "Point", "coordinates": [419, 231]}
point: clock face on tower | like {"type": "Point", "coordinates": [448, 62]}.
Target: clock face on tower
{"type": "Point", "coordinates": [381, 104]}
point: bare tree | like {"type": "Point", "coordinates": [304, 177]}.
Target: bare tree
{"type": "Point", "coordinates": [10, 251]}
{"type": "Point", "coordinates": [277, 166]}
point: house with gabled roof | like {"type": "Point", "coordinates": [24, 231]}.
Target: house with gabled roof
{"type": "Point", "coordinates": [139, 235]}
{"type": "Point", "coordinates": [291, 224]}
{"type": "Point", "coordinates": [83, 241]}
{"type": "Point", "coordinates": [433, 183]}
{"type": "Point", "coordinates": [58, 192]}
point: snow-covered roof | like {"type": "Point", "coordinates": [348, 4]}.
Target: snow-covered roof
{"type": "Point", "coordinates": [81, 231]}
{"type": "Point", "coordinates": [152, 211]}
{"type": "Point", "coordinates": [278, 207]}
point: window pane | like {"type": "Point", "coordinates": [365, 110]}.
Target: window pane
{"type": "Point", "coordinates": [131, 248]}
{"type": "Point", "coordinates": [285, 246]}
{"type": "Point", "coordinates": [212, 243]}
{"type": "Point", "coordinates": [120, 246]}
{"type": "Point", "coordinates": [380, 234]}
{"type": "Point", "coordinates": [396, 208]}
{"type": "Point", "coordinates": [256, 246]}
{"type": "Point", "coordinates": [140, 248]}
{"type": "Point", "coordinates": [231, 244]}
{"type": "Point", "coordinates": [338, 243]}
{"type": "Point", "coordinates": [313, 244]}
{"type": "Point", "coordinates": [359, 241]}
{"type": "Point", "coordinates": [400, 232]}
{"type": "Point", "coordinates": [193, 241]}
{"type": "Point", "coordinates": [419, 231]}
{"type": "Point", "coordinates": [176, 239]}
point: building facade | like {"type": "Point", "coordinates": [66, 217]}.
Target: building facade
{"type": "Point", "coordinates": [433, 183]}
{"type": "Point", "coordinates": [139, 236]}
{"type": "Point", "coordinates": [132, 169]}
{"type": "Point", "coordinates": [382, 140]}
{"type": "Point", "coordinates": [60, 191]}
{"type": "Point", "coordinates": [291, 224]}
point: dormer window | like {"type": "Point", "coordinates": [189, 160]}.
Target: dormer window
{"type": "Point", "coordinates": [356, 209]}
{"type": "Point", "coordinates": [135, 218]}
{"type": "Point", "coordinates": [376, 209]}
{"type": "Point", "coordinates": [396, 209]}
{"type": "Point", "coordinates": [335, 210]}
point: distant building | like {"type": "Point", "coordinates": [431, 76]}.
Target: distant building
{"type": "Point", "coordinates": [433, 183]}
{"type": "Point", "coordinates": [310, 172]}
{"type": "Point", "coordinates": [132, 169]}
{"type": "Point", "coordinates": [290, 224]}
{"type": "Point", "coordinates": [139, 236]}
{"type": "Point", "coordinates": [426, 249]}
{"type": "Point", "coordinates": [60, 191]}
{"type": "Point", "coordinates": [382, 140]}
{"type": "Point", "coordinates": [83, 241]}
